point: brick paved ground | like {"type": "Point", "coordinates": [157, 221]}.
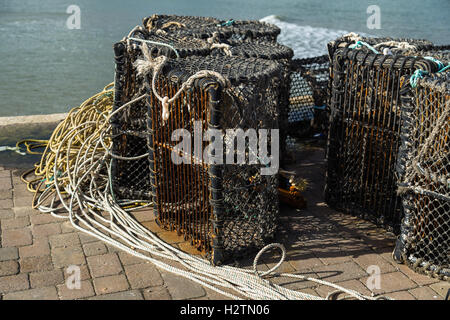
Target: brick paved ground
{"type": "Point", "coordinates": [36, 250]}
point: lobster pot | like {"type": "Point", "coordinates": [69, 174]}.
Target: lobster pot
{"type": "Point", "coordinates": [225, 205]}
{"type": "Point", "coordinates": [364, 131]}
{"type": "Point", "coordinates": [270, 51]}
{"type": "Point", "coordinates": [130, 169]}
{"type": "Point", "coordinates": [307, 97]}
{"type": "Point", "coordinates": [204, 28]}
{"type": "Point", "coordinates": [424, 168]}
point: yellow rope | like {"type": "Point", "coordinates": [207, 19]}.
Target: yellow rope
{"type": "Point", "coordinates": [93, 109]}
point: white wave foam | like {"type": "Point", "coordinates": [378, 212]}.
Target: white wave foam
{"type": "Point", "coordinates": [306, 41]}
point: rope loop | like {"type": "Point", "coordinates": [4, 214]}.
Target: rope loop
{"type": "Point", "coordinates": [269, 246]}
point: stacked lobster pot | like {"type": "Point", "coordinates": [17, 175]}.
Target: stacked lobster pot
{"type": "Point", "coordinates": [130, 166]}
{"type": "Point", "coordinates": [424, 170]}
{"type": "Point", "coordinates": [367, 76]}
{"type": "Point", "coordinates": [223, 209]}
{"type": "Point", "coordinates": [307, 109]}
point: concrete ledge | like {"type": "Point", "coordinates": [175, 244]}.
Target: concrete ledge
{"type": "Point", "coordinates": [32, 119]}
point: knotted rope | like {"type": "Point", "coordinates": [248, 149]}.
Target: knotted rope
{"type": "Point", "coordinates": [149, 64]}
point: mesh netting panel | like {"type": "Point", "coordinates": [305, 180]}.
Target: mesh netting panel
{"type": "Point", "coordinates": [226, 209]}
{"type": "Point", "coordinates": [364, 131]}
{"type": "Point", "coordinates": [203, 28]}
{"type": "Point", "coordinates": [424, 168]}
{"type": "Point", "coordinates": [308, 94]}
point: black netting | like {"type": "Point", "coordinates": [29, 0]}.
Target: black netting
{"type": "Point", "coordinates": [307, 110]}
{"type": "Point", "coordinates": [424, 171]}
{"type": "Point", "coordinates": [365, 127]}
{"type": "Point", "coordinates": [203, 28]}
{"type": "Point", "coordinates": [228, 209]}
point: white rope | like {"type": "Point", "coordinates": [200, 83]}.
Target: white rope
{"type": "Point", "coordinates": [148, 64]}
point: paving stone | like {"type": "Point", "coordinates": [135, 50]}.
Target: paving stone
{"type": "Point", "coordinates": [296, 283]}
{"type": "Point", "coordinates": [144, 216]}
{"type": "Point", "coordinates": [110, 284]}
{"type": "Point", "coordinates": [156, 293]}
{"type": "Point", "coordinates": [35, 264]}
{"type": "Point", "coordinates": [125, 295]}
{"type": "Point", "coordinates": [353, 284]}
{"type": "Point", "coordinates": [94, 249]}
{"type": "Point", "coordinates": [43, 218]}
{"type": "Point", "coordinates": [5, 174]}
{"type": "Point", "coordinates": [372, 259]}
{"type": "Point", "coordinates": [16, 237]}
{"type": "Point", "coordinates": [339, 272]}
{"type": "Point", "coordinates": [66, 256]}
{"type": "Point", "coordinates": [85, 238]}
{"type": "Point", "coordinates": [86, 290]}
{"type": "Point", "coordinates": [425, 293]}
{"type": "Point", "coordinates": [66, 227]}
{"type": "Point", "coordinates": [211, 295]}
{"type": "Point", "coordinates": [303, 261]}
{"type": "Point", "coordinates": [5, 183]}
{"type": "Point", "coordinates": [48, 293]}
{"type": "Point", "coordinates": [22, 201]}
{"type": "Point", "coordinates": [45, 230]}
{"type": "Point", "coordinates": [40, 247]}
{"type": "Point", "coordinates": [441, 288]}
{"type": "Point", "coordinates": [8, 268]}
{"type": "Point", "coordinates": [64, 240]}
{"type": "Point", "coordinates": [6, 204]}
{"type": "Point", "coordinates": [143, 275]}
{"type": "Point", "coordinates": [391, 282]}
{"type": "Point", "coordinates": [104, 265]}
{"type": "Point", "coordinates": [6, 194]}
{"type": "Point", "coordinates": [334, 256]}
{"type": "Point", "coordinates": [400, 295]}
{"type": "Point", "coordinates": [46, 278]}
{"type": "Point", "coordinates": [420, 279]}
{"type": "Point", "coordinates": [14, 283]}
{"type": "Point", "coordinates": [15, 223]}
{"type": "Point", "coordinates": [24, 211]}
{"type": "Point", "coordinates": [10, 253]}
{"type": "Point", "coordinates": [6, 214]}
{"type": "Point", "coordinates": [181, 288]}
{"type": "Point", "coordinates": [128, 259]}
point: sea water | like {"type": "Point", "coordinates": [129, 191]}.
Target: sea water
{"type": "Point", "coordinates": [47, 68]}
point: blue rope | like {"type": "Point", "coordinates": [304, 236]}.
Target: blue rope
{"type": "Point", "coordinates": [359, 44]}
{"type": "Point", "coordinates": [226, 23]}
{"type": "Point", "coordinates": [418, 74]}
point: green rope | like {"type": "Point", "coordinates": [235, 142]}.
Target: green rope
{"type": "Point", "coordinates": [418, 74]}
{"type": "Point", "coordinates": [359, 44]}
{"type": "Point", "coordinates": [226, 23]}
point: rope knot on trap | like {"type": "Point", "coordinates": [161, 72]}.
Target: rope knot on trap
{"type": "Point", "coordinates": [148, 64]}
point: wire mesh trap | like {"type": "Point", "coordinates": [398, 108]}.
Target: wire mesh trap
{"type": "Point", "coordinates": [365, 126]}
{"type": "Point", "coordinates": [424, 171]}
{"type": "Point", "coordinates": [227, 210]}
{"type": "Point", "coordinates": [129, 127]}
{"type": "Point", "coordinates": [204, 28]}
{"type": "Point", "coordinates": [307, 111]}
